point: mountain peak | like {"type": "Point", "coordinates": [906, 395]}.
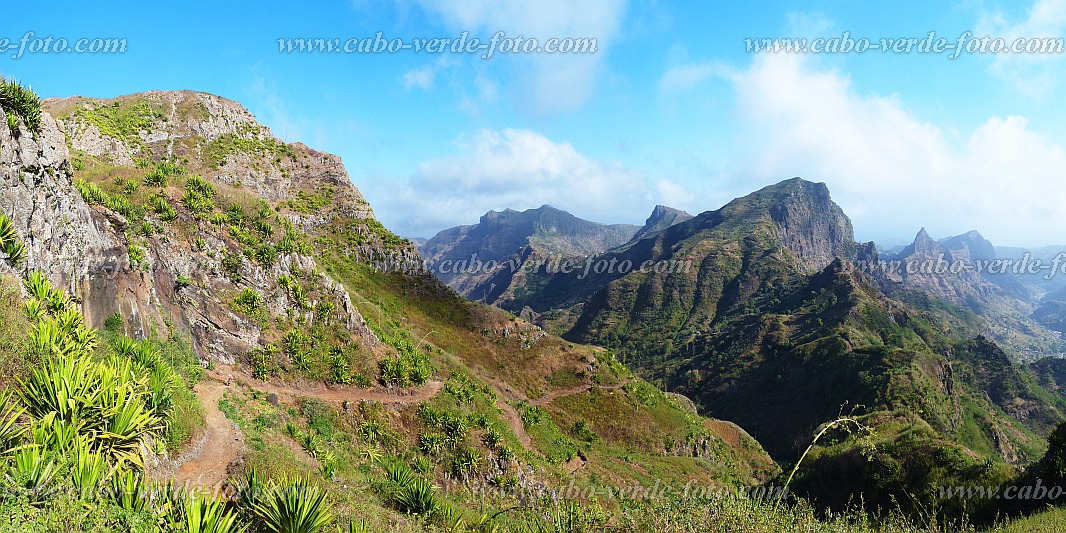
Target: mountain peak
{"type": "Point", "coordinates": [812, 226]}
{"type": "Point", "coordinates": [922, 244]}
{"type": "Point", "coordinates": [971, 244]}
{"type": "Point", "coordinates": [661, 218]}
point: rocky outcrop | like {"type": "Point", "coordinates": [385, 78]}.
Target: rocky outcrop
{"type": "Point", "coordinates": [80, 249]}
{"type": "Point", "coordinates": [810, 225]}
{"type": "Point", "coordinates": [661, 217]}
{"type": "Point", "coordinates": [176, 285]}
{"type": "Point", "coordinates": [962, 270]}
{"type": "Point", "coordinates": [233, 146]}
{"type": "Point", "coordinates": [36, 192]}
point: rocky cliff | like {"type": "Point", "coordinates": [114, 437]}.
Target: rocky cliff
{"type": "Point", "coordinates": [811, 225]}
{"type": "Point", "coordinates": [661, 217]}
{"type": "Point", "coordinates": [963, 270]}
{"type": "Point", "coordinates": [166, 207]}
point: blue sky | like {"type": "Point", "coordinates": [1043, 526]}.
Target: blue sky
{"type": "Point", "coordinates": [671, 109]}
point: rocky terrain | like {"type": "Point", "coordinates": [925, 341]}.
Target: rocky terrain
{"type": "Point", "coordinates": [176, 218]}
{"type": "Point", "coordinates": [218, 139]}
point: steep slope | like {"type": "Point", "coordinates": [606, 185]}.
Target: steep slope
{"type": "Point", "coordinates": [756, 317]}
{"type": "Point", "coordinates": [1039, 283]}
{"type": "Point", "coordinates": [1051, 312]}
{"type": "Point", "coordinates": [180, 215]}
{"type": "Point", "coordinates": [550, 230]}
{"type": "Point", "coordinates": [201, 203]}
{"type": "Point", "coordinates": [661, 217]}
{"type": "Point", "coordinates": [793, 226]}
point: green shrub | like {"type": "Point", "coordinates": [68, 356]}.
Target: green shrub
{"type": "Point", "coordinates": [417, 497]}
{"type": "Point", "coordinates": [22, 102]}
{"type": "Point", "coordinates": [202, 514]}
{"type": "Point", "coordinates": [198, 185]}
{"type": "Point", "coordinates": [10, 244]}
{"type": "Point", "coordinates": [182, 282]}
{"type": "Point", "coordinates": [294, 507]}
{"type": "Point", "coordinates": [91, 192]}
{"type": "Point", "coordinates": [124, 207]}
{"type": "Point", "coordinates": [10, 432]}
{"type": "Point", "coordinates": [231, 266]}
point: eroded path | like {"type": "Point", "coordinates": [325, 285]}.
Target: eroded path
{"type": "Point", "coordinates": [220, 446]}
{"type": "Point", "coordinates": [576, 389]}
{"type": "Point", "coordinates": [514, 418]}
{"type": "Point", "coordinates": [207, 467]}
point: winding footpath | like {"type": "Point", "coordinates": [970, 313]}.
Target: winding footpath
{"type": "Point", "coordinates": [207, 467]}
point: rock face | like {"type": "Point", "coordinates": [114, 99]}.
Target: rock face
{"type": "Point", "coordinates": [661, 217]}
{"type": "Point", "coordinates": [65, 239]}
{"type": "Point", "coordinates": [971, 245]}
{"type": "Point", "coordinates": [77, 247]}
{"type": "Point", "coordinates": [180, 279]}
{"type": "Point", "coordinates": [810, 224]}
{"type": "Point", "coordinates": [234, 146]}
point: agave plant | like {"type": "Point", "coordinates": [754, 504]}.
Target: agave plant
{"type": "Point", "coordinates": [58, 300]}
{"type": "Point", "coordinates": [295, 507]}
{"type": "Point", "coordinates": [397, 471]}
{"type": "Point", "coordinates": [329, 465]}
{"type": "Point", "coordinates": [251, 489]}
{"type": "Point", "coordinates": [104, 402]}
{"type": "Point", "coordinates": [169, 503]}
{"type": "Point", "coordinates": [38, 285]}
{"type": "Point", "coordinates": [465, 462]}
{"type": "Point", "coordinates": [208, 515]}
{"type": "Point", "coordinates": [129, 490]}
{"type": "Point", "coordinates": [32, 472]}
{"type": "Point", "coordinates": [124, 347]}
{"type": "Point", "coordinates": [16, 252]}
{"type": "Point", "coordinates": [57, 435]}
{"type": "Point", "coordinates": [21, 101]}
{"type": "Point", "coordinates": [7, 231]}
{"type": "Point", "coordinates": [89, 469]}
{"type": "Point", "coordinates": [432, 443]}
{"type": "Point", "coordinates": [10, 432]}
{"type": "Point", "coordinates": [63, 386]}
{"type": "Point", "coordinates": [362, 526]}
{"type": "Point", "coordinates": [128, 424]}
{"type": "Point", "coordinates": [161, 385]}
{"type": "Point", "coordinates": [417, 497]}
{"type": "Point", "coordinates": [34, 310]}
{"type": "Point", "coordinates": [69, 320]}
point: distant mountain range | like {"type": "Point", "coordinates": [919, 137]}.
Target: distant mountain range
{"type": "Point", "coordinates": [768, 313]}
{"type": "Point", "coordinates": [518, 237]}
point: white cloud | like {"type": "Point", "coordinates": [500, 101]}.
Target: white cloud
{"type": "Point", "coordinates": [520, 169]}
{"type": "Point", "coordinates": [1034, 74]}
{"type": "Point", "coordinates": [420, 78]}
{"type": "Point", "coordinates": [687, 76]}
{"type": "Point", "coordinates": [485, 95]}
{"type": "Point", "coordinates": [544, 83]}
{"type": "Point", "coordinates": [892, 171]}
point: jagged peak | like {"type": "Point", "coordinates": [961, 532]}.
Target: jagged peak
{"type": "Point", "coordinates": [922, 244]}
{"type": "Point", "coordinates": [972, 243]}
{"type": "Point", "coordinates": [661, 211]}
